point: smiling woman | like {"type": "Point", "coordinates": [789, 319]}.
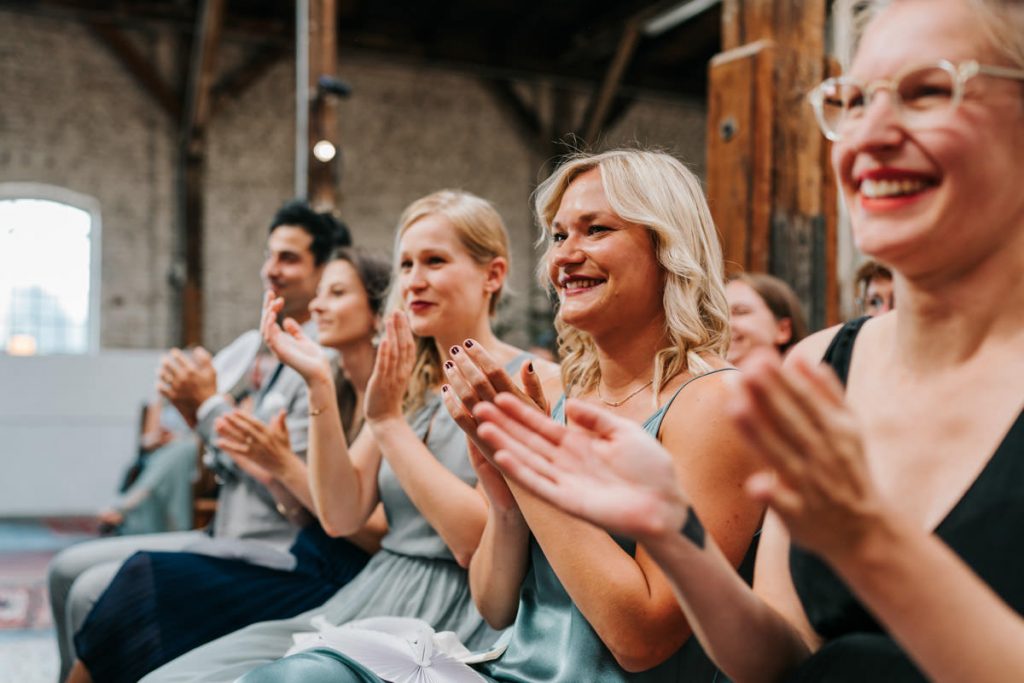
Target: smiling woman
{"type": "Point", "coordinates": [764, 313]}
{"type": "Point", "coordinates": [895, 476]}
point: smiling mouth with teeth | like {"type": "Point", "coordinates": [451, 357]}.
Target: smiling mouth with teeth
{"type": "Point", "coordinates": [580, 284]}
{"type": "Point", "coordinates": [877, 189]}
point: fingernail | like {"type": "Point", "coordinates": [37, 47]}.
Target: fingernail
{"type": "Point", "coordinates": [444, 387]}
{"type": "Point", "coordinates": [454, 350]}
{"type": "Point", "coordinates": [468, 343]}
{"type": "Point", "coordinates": [529, 367]}
{"type": "Point", "coordinates": [448, 365]}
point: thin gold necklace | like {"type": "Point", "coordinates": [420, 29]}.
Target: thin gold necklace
{"type": "Point", "coordinates": [616, 404]}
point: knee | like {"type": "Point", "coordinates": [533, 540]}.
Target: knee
{"type": "Point", "coordinates": [64, 568]}
{"type": "Point", "coordinates": [86, 590]}
{"type": "Point", "coordinates": [317, 666]}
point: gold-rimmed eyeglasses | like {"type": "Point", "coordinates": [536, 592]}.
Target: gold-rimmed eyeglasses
{"type": "Point", "coordinates": [922, 94]}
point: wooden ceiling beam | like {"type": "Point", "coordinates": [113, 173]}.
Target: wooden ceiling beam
{"type": "Point", "coordinates": [260, 60]}
{"type": "Point", "coordinates": [141, 68]}
{"type": "Point", "coordinates": [601, 102]}
{"type": "Point", "coordinates": [198, 96]}
{"type": "Point", "coordinates": [525, 118]}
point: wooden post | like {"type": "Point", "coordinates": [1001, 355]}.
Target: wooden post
{"type": "Point", "coordinates": [322, 185]}
{"type": "Point", "coordinates": [192, 159]}
{"type": "Point", "coordinates": [601, 103]}
{"type": "Point", "coordinates": [768, 182]}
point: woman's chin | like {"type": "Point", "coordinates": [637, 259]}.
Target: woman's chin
{"type": "Point", "coordinates": [423, 326]}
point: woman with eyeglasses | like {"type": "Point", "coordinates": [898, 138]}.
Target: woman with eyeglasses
{"type": "Point", "coordinates": [897, 491]}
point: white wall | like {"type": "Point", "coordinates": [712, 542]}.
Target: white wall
{"type": "Point", "coordinates": [68, 427]}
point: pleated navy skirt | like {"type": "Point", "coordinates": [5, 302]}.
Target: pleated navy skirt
{"type": "Point", "coordinates": [160, 605]}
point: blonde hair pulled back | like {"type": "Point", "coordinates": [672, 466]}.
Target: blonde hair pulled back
{"type": "Point", "coordinates": [481, 232]}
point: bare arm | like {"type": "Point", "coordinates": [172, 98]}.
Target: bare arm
{"type": "Point", "coordinates": [581, 469]}
{"type": "Point", "coordinates": [825, 495]}
{"type": "Point", "coordinates": [628, 600]}
{"type": "Point", "coordinates": [499, 565]}
{"type": "Point", "coordinates": [342, 482]}
{"type": "Point", "coordinates": [914, 584]}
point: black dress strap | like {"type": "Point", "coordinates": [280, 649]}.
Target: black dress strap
{"type": "Point", "coordinates": [840, 351]}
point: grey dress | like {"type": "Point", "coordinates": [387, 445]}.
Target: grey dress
{"type": "Point", "coordinates": [414, 575]}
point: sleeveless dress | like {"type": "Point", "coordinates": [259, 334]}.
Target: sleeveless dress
{"type": "Point", "coordinates": [980, 529]}
{"type": "Point", "coordinates": [413, 575]}
{"type": "Point", "coordinates": [552, 641]}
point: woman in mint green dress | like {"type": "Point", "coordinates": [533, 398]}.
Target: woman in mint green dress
{"type": "Point", "coordinates": [633, 256]}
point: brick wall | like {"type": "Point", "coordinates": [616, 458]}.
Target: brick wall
{"type": "Point", "coordinates": [71, 116]}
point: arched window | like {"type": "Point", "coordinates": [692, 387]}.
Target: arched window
{"type": "Point", "coordinates": [49, 270]}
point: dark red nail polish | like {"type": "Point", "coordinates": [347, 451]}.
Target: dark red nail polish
{"type": "Point", "coordinates": [529, 367]}
{"type": "Point", "coordinates": [448, 365]}
{"type": "Point", "coordinates": [444, 387]}
{"type": "Point", "coordinates": [468, 343]}
{"type": "Point", "coordinates": [455, 350]}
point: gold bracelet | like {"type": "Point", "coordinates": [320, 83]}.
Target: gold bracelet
{"type": "Point", "coordinates": [315, 412]}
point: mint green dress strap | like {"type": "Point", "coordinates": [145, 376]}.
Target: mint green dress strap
{"type": "Point", "coordinates": [552, 641]}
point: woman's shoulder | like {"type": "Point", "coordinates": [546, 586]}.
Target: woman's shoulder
{"type": "Point", "coordinates": [877, 331]}
{"type": "Point", "coordinates": [812, 348]}
{"type": "Point", "coordinates": [701, 395]}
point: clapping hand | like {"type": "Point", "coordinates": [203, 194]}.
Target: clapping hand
{"type": "Point", "coordinates": [474, 376]}
{"type": "Point", "coordinates": [187, 380]}
{"type": "Point", "coordinates": [262, 450]}
{"type": "Point", "coordinates": [290, 344]}
{"type": "Point", "coordinates": [601, 468]}
{"type": "Point", "coordinates": [392, 369]}
{"type": "Point", "coordinates": [819, 482]}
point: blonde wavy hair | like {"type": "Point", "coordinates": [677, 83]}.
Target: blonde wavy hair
{"type": "Point", "coordinates": [1001, 20]}
{"type": "Point", "coordinates": [482, 234]}
{"type": "Point", "coordinates": [657, 191]}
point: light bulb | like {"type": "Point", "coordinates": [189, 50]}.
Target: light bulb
{"type": "Point", "coordinates": [324, 150]}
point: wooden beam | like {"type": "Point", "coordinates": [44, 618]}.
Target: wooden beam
{"type": "Point", "coordinates": [739, 153]}
{"type": "Point", "coordinates": [769, 188]}
{"type": "Point", "coordinates": [620, 107]}
{"type": "Point", "coordinates": [525, 118]}
{"type": "Point", "coordinates": [141, 69]}
{"type": "Point", "coordinates": [597, 112]}
{"type": "Point", "coordinates": [202, 70]}
{"type": "Point", "coordinates": [261, 59]}
{"type": "Point", "coordinates": [192, 160]}
{"type": "Point", "coordinates": [323, 109]}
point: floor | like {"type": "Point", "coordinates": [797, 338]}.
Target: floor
{"type": "Point", "coordinates": [28, 651]}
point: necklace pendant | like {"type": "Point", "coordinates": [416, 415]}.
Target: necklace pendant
{"type": "Point", "coordinates": [616, 404]}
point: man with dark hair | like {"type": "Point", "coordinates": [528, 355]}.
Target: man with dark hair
{"type": "Point", "coordinates": [250, 522]}
{"type": "Point", "coordinates": [327, 231]}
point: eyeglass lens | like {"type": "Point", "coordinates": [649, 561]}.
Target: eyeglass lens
{"type": "Point", "coordinates": [919, 95]}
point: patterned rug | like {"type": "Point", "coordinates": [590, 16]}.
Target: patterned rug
{"type": "Point", "coordinates": [28, 651]}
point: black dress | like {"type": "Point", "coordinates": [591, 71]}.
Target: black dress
{"type": "Point", "coordinates": [160, 605]}
{"type": "Point", "coordinates": [982, 528]}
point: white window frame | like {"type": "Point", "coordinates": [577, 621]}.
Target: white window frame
{"type": "Point", "coordinates": [90, 205]}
